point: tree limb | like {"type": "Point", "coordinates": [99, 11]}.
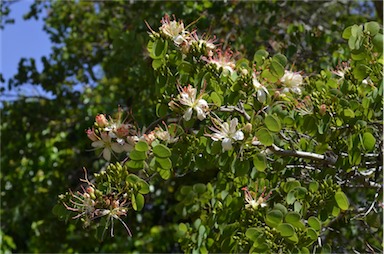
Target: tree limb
{"type": "Point", "coordinates": [329, 157]}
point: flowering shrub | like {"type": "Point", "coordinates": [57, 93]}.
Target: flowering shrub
{"type": "Point", "coordinates": [305, 138]}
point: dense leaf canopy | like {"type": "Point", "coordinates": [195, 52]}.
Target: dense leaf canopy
{"type": "Point", "coordinates": [185, 194]}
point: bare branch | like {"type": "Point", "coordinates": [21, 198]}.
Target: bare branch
{"type": "Point", "coordinates": [329, 157]}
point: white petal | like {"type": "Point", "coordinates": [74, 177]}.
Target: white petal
{"type": "Point", "coordinates": [226, 144]}
{"type": "Point", "coordinates": [188, 114]}
{"type": "Point", "coordinates": [98, 144]}
{"type": "Point", "coordinates": [233, 124]}
{"type": "Point", "coordinates": [239, 135]}
{"type": "Point", "coordinates": [200, 113]}
{"type": "Point", "coordinates": [117, 147]}
{"type": "Point", "coordinates": [107, 154]}
{"type": "Point", "coordinates": [261, 96]}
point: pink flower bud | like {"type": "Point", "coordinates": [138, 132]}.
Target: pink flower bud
{"type": "Point", "coordinates": [122, 130]}
{"type": "Point", "coordinates": [91, 135]}
{"type": "Point", "coordinates": [90, 190]}
{"type": "Point", "coordinates": [323, 109]}
{"type": "Point", "coordinates": [101, 120]}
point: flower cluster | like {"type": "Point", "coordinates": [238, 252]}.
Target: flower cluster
{"type": "Point", "coordinates": [226, 132]}
{"type": "Point", "coordinates": [90, 206]}
{"type": "Point", "coordinates": [253, 202]}
{"type": "Point", "coordinates": [222, 61]}
{"type": "Point", "coordinates": [190, 102]}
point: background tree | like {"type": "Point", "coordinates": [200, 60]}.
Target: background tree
{"type": "Point", "coordinates": [101, 47]}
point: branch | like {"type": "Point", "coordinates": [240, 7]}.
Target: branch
{"type": "Point", "coordinates": [328, 157]}
{"type": "Point", "coordinates": [238, 109]}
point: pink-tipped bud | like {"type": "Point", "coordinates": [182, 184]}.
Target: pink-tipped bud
{"type": "Point", "coordinates": [323, 109]}
{"type": "Point", "coordinates": [91, 135]}
{"type": "Point", "coordinates": [90, 190]}
{"type": "Point", "coordinates": [101, 120]}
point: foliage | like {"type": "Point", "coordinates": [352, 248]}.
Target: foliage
{"type": "Point", "coordinates": [201, 178]}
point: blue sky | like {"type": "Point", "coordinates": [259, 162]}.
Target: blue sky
{"type": "Point", "coordinates": [24, 38]}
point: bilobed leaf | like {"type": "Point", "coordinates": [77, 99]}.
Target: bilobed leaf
{"type": "Point", "coordinates": [162, 151]}
{"type": "Point", "coordinates": [342, 200]}
{"type": "Point", "coordinates": [369, 141]}
{"type": "Point", "coordinates": [273, 123]}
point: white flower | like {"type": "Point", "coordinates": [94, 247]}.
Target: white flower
{"type": "Point", "coordinates": [222, 60]}
{"type": "Point", "coordinates": [261, 91]}
{"type": "Point", "coordinates": [252, 201]}
{"type": "Point", "coordinates": [227, 133]}
{"type": "Point", "coordinates": [292, 82]}
{"type": "Point", "coordinates": [174, 30]}
{"type": "Point", "coordinates": [109, 146]}
{"type": "Point", "coordinates": [187, 97]}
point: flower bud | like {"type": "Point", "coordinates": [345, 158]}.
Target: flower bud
{"type": "Point", "coordinates": [248, 128]}
{"type": "Point", "coordinates": [323, 109]}
{"type": "Point", "coordinates": [90, 190]}
{"type": "Point", "coordinates": [91, 135]}
{"type": "Point", "coordinates": [101, 120]}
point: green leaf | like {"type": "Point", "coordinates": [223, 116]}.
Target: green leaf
{"type": "Point", "coordinates": [164, 163]}
{"type": "Point", "coordinates": [313, 186]}
{"type": "Point", "coordinates": [285, 230]}
{"type": "Point", "coordinates": [277, 69]}
{"type": "Point", "coordinates": [280, 207]}
{"type": "Point", "coordinates": [314, 223]}
{"type": "Point", "coordinates": [260, 56]}
{"type": "Point", "coordinates": [372, 27]}
{"type": "Point", "coordinates": [137, 201]}
{"type": "Point", "coordinates": [260, 161]}
{"type": "Point", "coordinates": [144, 187]}
{"type": "Point", "coordinates": [347, 33]}
{"type": "Point", "coordinates": [292, 217]}
{"type": "Point", "coordinates": [199, 188]}
{"type": "Point", "coordinates": [267, 74]}
{"type": "Point", "coordinates": [272, 123]}
{"type": "Point", "coordinates": [183, 228]}
{"type": "Point", "coordinates": [274, 218]}
{"type": "Point", "coordinates": [161, 110]}
{"type": "Point", "coordinates": [157, 63]}
{"type": "Point", "coordinates": [312, 234]}
{"type": "Point", "coordinates": [216, 99]}
{"type": "Point", "coordinates": [342, 200]}
{"type": "Point", "coordinates": [253, 233]}
{"type": "Point", "coordinates": [162, 151]}
{"type": "Point", "coordinates": [280, 58]}
{"type": "Point", "coordinates": [141, 146]}
{"type": "Point", "coordinates": [264, 136]}
{"type": "Point", "coordinates": [159, 48]}
{"type": "Point", "coordinates": [293, 238]}
{"type": "Point", "coordinates": [369, 141]}
{"type": "Point", "coordinates": [164, 173]}
{"type": "Point", "coordinates": [135, 164]}
{"type": "Point", "coordinates": [137, 155]}
{"type": "Point", "coordinates": [360, 72]}
{"type": "Point", "coordinates": [378, 42]}
{"type": "Point", "coordinates": [349, 113]}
